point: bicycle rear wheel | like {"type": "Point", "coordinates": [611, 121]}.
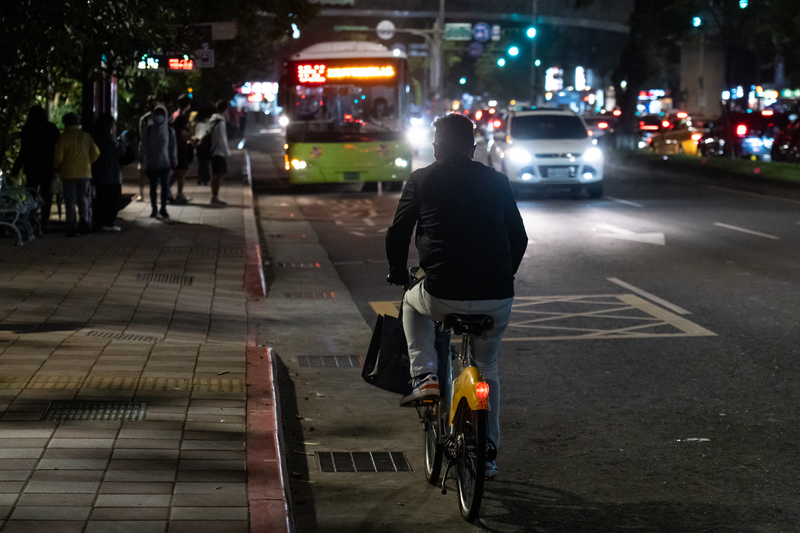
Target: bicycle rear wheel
{"type": "Point", "coordinates": [433, 449]}
{"type": "Point", "coordinates": [472, 463]}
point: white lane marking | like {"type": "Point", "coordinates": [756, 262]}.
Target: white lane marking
{"type": "Point", "coordinates": [743, 230]}
{"type": "Point", "coordinates": [651, 297]}
{"type": "Point", "coordinates": [369, 222]}
{"type": "Point", "coordinates": [626, 202]}
{"type": "Point", "coordinates": [628, 235]}
{"type": "Point", "coordinates": [756, 195]}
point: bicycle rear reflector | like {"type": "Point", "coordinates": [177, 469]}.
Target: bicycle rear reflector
{"type": "Point", "coordinates": [482, 390]}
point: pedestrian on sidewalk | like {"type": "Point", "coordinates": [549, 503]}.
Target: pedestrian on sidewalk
{"type": "Point", "coordinates": [158, 154]}
{"type": "Point", "coordinates": [73, 157]}
{"type": "Point", "coordinates": [199, 125]}
{"type": "Point", "coordinates": [106, 172]}
{"type": "Point", "coordinates": [39, 138]}
{"type": "Point", "coordinates": [150, 104]}
{"type": "Point", "coordinates": [219, 151]}
{"type": "Point", "coordinates": [180, 123]}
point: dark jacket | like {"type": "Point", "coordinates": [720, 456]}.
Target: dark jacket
{"type": "Point", "coordinates": [37, 148]}
{"type": "Point", "coordinates": [106, 170]}
{"type": "Point", "coordinates": [469, 233]}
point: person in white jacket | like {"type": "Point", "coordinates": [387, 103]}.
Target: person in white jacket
{"type": "Point", "coordinates": [219, 150]}
{"type": "Point", "coordinates": [158, 153]}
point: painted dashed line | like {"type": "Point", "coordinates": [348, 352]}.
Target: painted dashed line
{"type": "Point", "coordinates": [755, 195]}
{"type": "Point", "coordinates": [744, 230]}
{"type": "Point", "coordinates": [626, 202]}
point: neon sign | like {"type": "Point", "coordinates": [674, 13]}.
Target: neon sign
{"type": "Point", "coordinates": [320, 73]}
{"type": "Point", "coordinates": [180, 63]}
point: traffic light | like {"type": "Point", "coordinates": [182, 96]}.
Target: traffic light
{"type": "Point", "coordinates": [697, 22]}
{"type": "Point", "coordinates": [531, 33]}
{"type": "Point", "coordinates": [501, 62]}
{"type": "Point", "coordinates": [462, 81]}
{"type": "Point", "coordinates": [513, 51]}
{"type": "Point", "coordinates": [743, 4]}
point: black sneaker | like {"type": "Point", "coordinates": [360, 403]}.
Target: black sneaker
{"type": "Point", "coordinates": [163, 213]}
{"type": "Point", "coordinates": [154, 214]}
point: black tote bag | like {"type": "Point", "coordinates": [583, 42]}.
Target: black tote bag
{"type": "Point", "coordinates": [387, 365]}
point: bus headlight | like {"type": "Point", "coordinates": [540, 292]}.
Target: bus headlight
{"type": "Point", "coordinates": [283, 121]}
{"type": "Point", "coordinates": [299, 164]}
{"type": "Point", "coordinates": [400, 162]}
{"type": "Point", "coordinates": [593, 155]}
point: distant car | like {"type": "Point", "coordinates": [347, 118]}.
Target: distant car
{"type": "Point", "coordinates": [545, 148]}
{"type": "Point", "coordinates": [748, 135]}
{"type": "Point", "coordinates": [786, 145]}
{"type": "Point", "coordinates": [599, 125]}
{"type": "Point", "coordinates": [676, 135]}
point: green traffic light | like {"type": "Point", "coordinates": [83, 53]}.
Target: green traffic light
{"type": "Point", "coordinates": [501, 62]}
{"type": "Point", "coordinates": [513, 51]}
{"type": "Point", "coordinates": [531, 33]}
{"type": "Point", "coordinates": [462, 81]}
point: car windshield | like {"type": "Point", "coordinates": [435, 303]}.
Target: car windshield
{"type": "Point", "coordinates": [344, 112]}
{"type": "Point", "coordinates": [538, 127]}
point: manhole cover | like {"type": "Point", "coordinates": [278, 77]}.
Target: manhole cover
{"type": "Point", "coordinates": [363, 462]}
{"type": "Point", "coordinates": [174, 279]}
{"type": "Point", "coordinates": [74, 410]}
{"type": "Point", "coordinates": [329, 361]}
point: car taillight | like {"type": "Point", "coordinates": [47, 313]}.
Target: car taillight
{"type": "Point", "coordinates": [683, 114]}
{"type": "Point", "coordinates": [697, 136]}
{"type": "Point", "coordinates": [478, 114]}
{"type": "Point", "coordinates": [768, 112]}
{"type": "Point", "coordinates": [496, 123]}
{"type": "Point", "coordinates": [590, 132]}
{"type": "Point", "coordinates": [665, 124]}
{"type": "Point", "coordinates": [602, 125]}
{"type": "Point", "coordinates": [482, 390]}
{"type": "Point", "coordinates": [741, 130]}
{"type": "Point", "coordinates": [617, 112]}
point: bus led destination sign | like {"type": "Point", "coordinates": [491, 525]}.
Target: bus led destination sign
{"type": "Point", "coordinates": [318, 73]}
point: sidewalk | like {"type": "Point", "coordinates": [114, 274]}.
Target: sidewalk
{"type": "Point", "coordinates": [158, 314]}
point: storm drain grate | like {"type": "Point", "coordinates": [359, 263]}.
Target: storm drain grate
{"type": "Point", "coordinates": [174, 279]}
{"type": "Point", "coordinates": [74, 410]}
{"type": "Point", "coordinates": [363, 462]}
{"type": "Point", "coordinates": [310, 295]}
{"type": "Point", "coordinates": [329, 361]}
{"type": "Point", "coordinates": [296, 265]}
{"type": "Point", "coordinates": [122, 336]}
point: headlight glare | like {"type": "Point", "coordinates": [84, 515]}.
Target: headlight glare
{"type": "Point", "coordinates": [593, 155]}
{"type": "Point", "coordinates": [519, 155]}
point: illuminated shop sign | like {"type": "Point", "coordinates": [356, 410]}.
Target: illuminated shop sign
{"type": "Point", "coordinates": [319, 73]}
{"type": "Point", "coordinates": [148, 63]}
{"type": "Point", "coordinates": [180, 63]}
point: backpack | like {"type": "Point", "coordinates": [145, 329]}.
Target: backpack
{"type": "Point", "coordinates": [206, 144]}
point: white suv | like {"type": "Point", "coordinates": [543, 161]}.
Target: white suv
{"type": "Point", "coordinates": [547, 147]}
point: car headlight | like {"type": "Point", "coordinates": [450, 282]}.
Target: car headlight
{"type": "Point", "coordinates": [283, 121]}
{"type": "Point", "coordinates": [593, 155]}
{"type": "Point", "coordinates": [519, 155]}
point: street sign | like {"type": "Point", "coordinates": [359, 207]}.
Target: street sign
{"type": "Point", "coordinates": [458, 31]}
{"type": "Point", "coordinates": [385, 29]}
{"type": "Point", "coordinates": [418, 50]}
{"type": "Point", "coordinates": [481, 32]}
{"type": "Point", "coordinates": [204, 58]}
{"type": "Point", "coordinates": [496, 32]}
{"type": "Point", "coordinates": [475, 49]}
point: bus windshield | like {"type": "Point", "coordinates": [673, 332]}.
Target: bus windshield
{"type": "Point", "coordinates": [344, 112]}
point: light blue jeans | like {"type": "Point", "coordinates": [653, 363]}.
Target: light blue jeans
{"type": "Point", "coordinates": [420, 309]}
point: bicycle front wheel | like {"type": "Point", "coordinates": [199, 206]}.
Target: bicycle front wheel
{"type": "Point", "coordinates": [433, 450]}
{"type": "Point", "coordinates": [472, 463]}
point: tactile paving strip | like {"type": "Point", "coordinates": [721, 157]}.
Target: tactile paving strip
{"type": "Point", "coordinates": [362, 462]}
{"type": "Point", "coordinates": [310, 295]}
{"type": "Point", "coordinates": [122, 336]}
{"type": "Point", "coordinates": [329, 361]}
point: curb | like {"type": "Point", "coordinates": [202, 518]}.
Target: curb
{"type": "Point", "coordinates": [267, 475]}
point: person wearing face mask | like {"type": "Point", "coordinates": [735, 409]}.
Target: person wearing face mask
{"type": "Point", "coordinates": [158, 153]}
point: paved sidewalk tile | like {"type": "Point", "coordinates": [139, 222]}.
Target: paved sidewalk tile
{"type": "Point", "coordinates": [155, 313]}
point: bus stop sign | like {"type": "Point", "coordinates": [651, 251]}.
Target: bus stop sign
{"type": "Point", "coordinates": [385, 29]}
{"type": "Point", "coordinates": [481, 32]}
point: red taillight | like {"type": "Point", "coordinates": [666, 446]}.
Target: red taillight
{"type": "Point", "coordinates": [665, 124]}
{"type": "Point", "coordinates": [590, 132]}
{"type": "Point", "coordinates": [741, 130]}
{"type": "Point", "coordinates": [768, 112]}
{"type": "Point", "coordinates": [602, 125]}
{"type": "Point", "coordinates": [482, 390]}
{"type": "Point", "coordinates": [697, 136]}
{"type": "Point", "coordinates": [478, 114]}
{"type": "Point", "coordinates": [683, 114]}
{"type": "Point", "coordinates": [617, 112]}
{"type": "Point", "coordinates": [496, 123]}
{"type": "Point", "coordinates": [491, 111]}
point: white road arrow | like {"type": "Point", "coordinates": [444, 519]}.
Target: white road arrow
{"type": "Point", "coordinates": [627, 235]}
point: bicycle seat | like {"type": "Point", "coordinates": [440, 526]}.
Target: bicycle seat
{"type": "Point", "coordinates": [469, 324]}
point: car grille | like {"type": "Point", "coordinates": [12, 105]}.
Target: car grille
{"type": "Point", "coordinates": [564, 155]}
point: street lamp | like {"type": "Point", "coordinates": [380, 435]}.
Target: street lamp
{"type": "Point", "coordinates": [501, 62]}
{"type": "Point", "coordinates": [462, 81]}
{"type": "Point", "coordinates": [513, 51]}
{"type": "Point", "coordinates": [697, 22]}
{"type": "Point", "coordinates": [743, 4]}
{"type": "Point", "coordinates": [531, 33]}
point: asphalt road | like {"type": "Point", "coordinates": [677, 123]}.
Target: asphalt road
{"type": "Point", "coordinates": [650, 376]}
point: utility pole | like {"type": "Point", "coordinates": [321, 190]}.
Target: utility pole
{"type": "Point", "coordinates": [534, 91]}
{"type": "Point", "coordinates": [436, 67]}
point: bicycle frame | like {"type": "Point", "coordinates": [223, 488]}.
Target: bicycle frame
{"type": "Point", "coordinates": [464, 384]}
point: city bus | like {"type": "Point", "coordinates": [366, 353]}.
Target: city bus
{"type": "Point", "coordinates": [347, 105]}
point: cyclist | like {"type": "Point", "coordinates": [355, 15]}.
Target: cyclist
{"type": "Point", "coordinates": [471, 240]}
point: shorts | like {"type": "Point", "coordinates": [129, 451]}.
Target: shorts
{"type": "Point", "coordinates": [219, 165]}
